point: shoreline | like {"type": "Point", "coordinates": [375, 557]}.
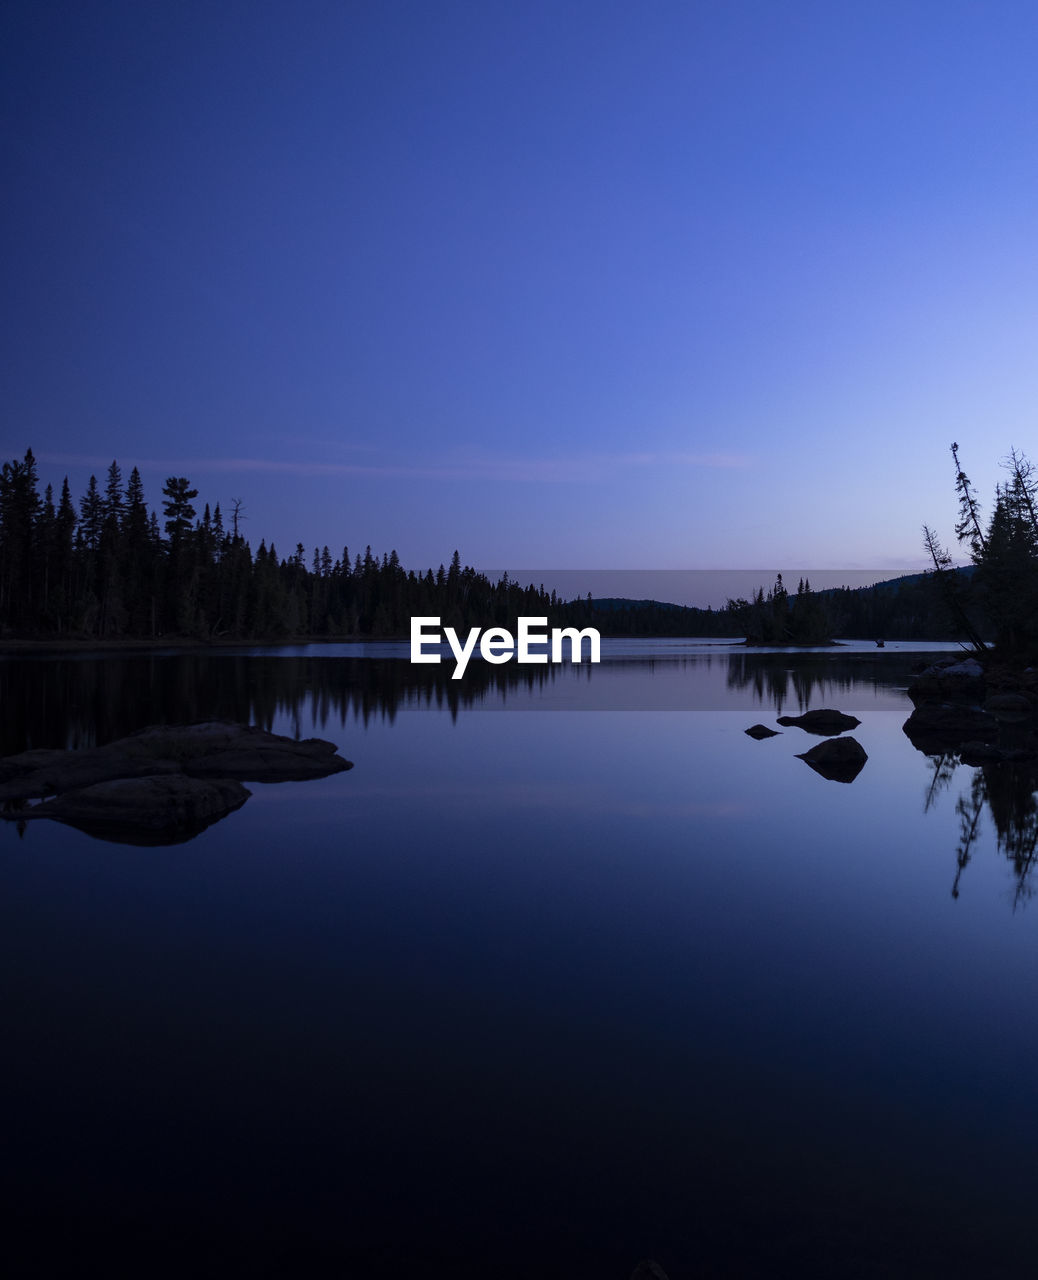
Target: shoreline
{"type": "Point", "coordinates": [122, 644]}
{"type": "Point", "coordinates": [80, 644]}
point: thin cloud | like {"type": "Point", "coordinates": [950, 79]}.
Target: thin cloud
{"type": "Point", "coordinates": [523, 470]}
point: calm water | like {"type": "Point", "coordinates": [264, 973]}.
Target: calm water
{"type": "Point", "coordinates": [525, 994]}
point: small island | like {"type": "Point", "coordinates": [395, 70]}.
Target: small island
{"type": "Point", "coordinates": [778, 618]}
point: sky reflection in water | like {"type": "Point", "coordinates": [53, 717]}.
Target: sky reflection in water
{"type": "Point", "coordinates": [559, 990]}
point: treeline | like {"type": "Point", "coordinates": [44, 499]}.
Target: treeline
{"type": "Point", "coordinates": [913, 607]}
{"type": "Point", "coordinates": [106, 568]}
{"type": "Point", "coordinates": [780, 617]}
{"type": "Point", "coordinates": [907, 608]}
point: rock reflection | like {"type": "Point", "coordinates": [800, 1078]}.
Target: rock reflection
{"type": "Point", "coordinates": [837, 759]}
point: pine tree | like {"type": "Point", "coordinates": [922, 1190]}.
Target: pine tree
{"type": "Point", "coordinates": [139, 558]}
{"type": "Point", "coordinates": [178, 509]}
{"type": "Point", "coordinates": [91, 516]}
{"type": "Point", "coordinates": [113, 500]}
{"type": "Point", "coordinates": [135, 512]}
{"type": "Point", "coordinates": [45, 539]}
{"type": "Point", "coordinates": [1006, 579]}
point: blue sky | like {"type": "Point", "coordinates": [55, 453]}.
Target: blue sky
{"type": "Point", "coordinates": [562, 284]}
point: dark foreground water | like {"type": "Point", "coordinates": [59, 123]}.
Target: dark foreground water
{"type": "Point", "coordinates": [524, 994]}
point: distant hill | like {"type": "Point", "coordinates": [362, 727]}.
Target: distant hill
{"type": "Point", "coordinates": [612, 604]}
{"type": "Point", "coordinates": [908, 607]}
{"type": "Point", "coordinates": [620, 617]}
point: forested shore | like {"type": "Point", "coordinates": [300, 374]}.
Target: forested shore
{"type": "Point", "coordinates": [105, 568]}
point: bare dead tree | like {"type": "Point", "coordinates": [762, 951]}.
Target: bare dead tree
{"type": "Point", "coordinates": [237, 513]}
{"type": "Point", "coordinates": [951, 588]}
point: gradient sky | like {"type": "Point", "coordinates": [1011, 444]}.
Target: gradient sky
{"type": "Point", "coordinates": [689, 285]}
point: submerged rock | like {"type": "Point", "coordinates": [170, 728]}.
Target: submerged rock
{"type": "Point", "coordinates": [825, 722]}
{"type": "Point", "coordinates": [759, 731]}
{"type": "Point", "coordinates": [839, 760]}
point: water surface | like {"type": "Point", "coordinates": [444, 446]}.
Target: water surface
{"type": "Point", "coordinates": [526, 994]}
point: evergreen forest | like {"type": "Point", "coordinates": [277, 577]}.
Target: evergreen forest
{"type": "Point", "coordinates": [107, 566]}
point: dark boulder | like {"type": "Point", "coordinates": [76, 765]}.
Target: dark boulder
{"type": "Point", "coordinates": [839, 760]}
{"type": "Point", "coordinates": [949, 678]}
{"type": "Point", "coordinates": [218, 750]}
{"type": "Point", "coordinates": [939, 727]}
{"type": "Point", "coordinates": [210, 750]}
{"type": "Point", "coordinates": [759, 731]}
{"type": "Point", "coordinates": [1010, 708]}
{"type": "Point", "coordinates": [983, 753]}
{"type": "Point", "coordinates": [980, 753]}
{"type": "Point", "coordinates": [825, 722]}
{"type": "Point", "coordinates": [35, 774]}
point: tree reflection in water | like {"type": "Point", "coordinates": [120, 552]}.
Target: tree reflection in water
{"type": "Point", "coordinates": [1009, 792]}
{"type": "Point", "coordinates": [809, 679]}
{"type": "Point", "coordinates": [85, 702]}
{"type": "Point", "coordinates": [82, 701]}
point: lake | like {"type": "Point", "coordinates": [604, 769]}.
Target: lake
{"type": "Point", "coordinates": [567, 972]}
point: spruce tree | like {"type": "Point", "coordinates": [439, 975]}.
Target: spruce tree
{"type": "Point", "coordinates": [91, 516]}
{"type": "Point", "coordinates": [178, 509]}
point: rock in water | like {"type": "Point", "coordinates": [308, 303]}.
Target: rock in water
{"type": "Point", "coordinates": [839, 760]}
{"type": "Point", "coordinates": [209, 750]}
{"type": "Point", "coordinates": [162, 784]}
{"type": "Point", "coordinates": [759, 731]}
{"type": "Point", "coordinates": [214, 749]}
{"type": "Point", "coordinates": [949, 678]}
{"type": "Point", "coordinates": [825, 722]}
